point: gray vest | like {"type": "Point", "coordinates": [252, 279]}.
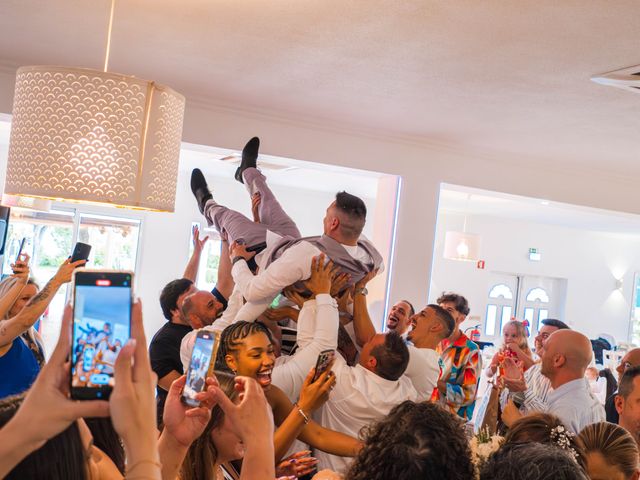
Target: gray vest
{"type": "Point", "coordinates": [336, 252]}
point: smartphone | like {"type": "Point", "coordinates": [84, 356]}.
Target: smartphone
{"type": "Point", "coordinates": [101, 326]}
{"type": "Point", "coordinates": [322, 364]}
{"type": "Point", "coordinates": [24, 239]}
{"type": "Point", "coordinates": [80, 252]}
{"type": "Point", "coordinates": [200, 367]}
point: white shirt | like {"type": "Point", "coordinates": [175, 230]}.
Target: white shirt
{"type": "Point", "coordinates": [423, 370]}
{"type": "Point", "coordinates": [321, 317]}
{"type": "Point", "coordinates": [293, 265]}
{"type": "Point", "coordinates": [359, 398]}
{"type": "Point", "coordinates": [575, 405]}
{"type": "Point", "coordinates": [234, 303]}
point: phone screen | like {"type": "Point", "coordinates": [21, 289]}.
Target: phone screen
{"type": "Point", "coordinates": [324, 359]}
{"type": "Point", "coordinates": [198, 367]}
{"type": "Point", "coordinates": [101, 326]}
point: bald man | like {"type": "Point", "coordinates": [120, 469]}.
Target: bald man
{"type": "Point", "coordinates": [566, 356]}
{"type": "Point", "coordinates": [630, 360]}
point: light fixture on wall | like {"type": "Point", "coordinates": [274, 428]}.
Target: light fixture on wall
{"type": "Point", "coordinates": [94, 136]}
{"type": "Point", "coordinates": [462, 245]}
{"type": "Point", "coordinates": [619, 283]}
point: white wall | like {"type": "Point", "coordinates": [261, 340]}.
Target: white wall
{"type": "Point", "coordinates": [590, 261]}
{"type": "Point", "coordinates": [423, 165]}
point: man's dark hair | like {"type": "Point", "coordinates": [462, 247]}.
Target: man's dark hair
{"type": "Point", "coordinates": [559, 324]}
{"type": "Point", "coordinates": [416, 440]}
{"type": "Point", "coordinates": [412, 311]}
{"type": "Point", "coordinates": [531, 461]}
{"type": "Point", "coordinates": [626, 382]}
{"type": "Point", "coordinates": [445, 318]}
{"type": "Point", "coordinates": [392, 357]}
{"type": "Point", "coordinates": [354, 214]}
{"type": "Point", "coordinates": [460, 303]}
{"type": "Point", "coordinates": [170, 293]}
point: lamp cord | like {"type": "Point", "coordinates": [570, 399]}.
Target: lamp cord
{"type": "Point", "coordinates": [106, 56]}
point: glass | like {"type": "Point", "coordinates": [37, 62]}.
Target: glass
{"type": "Point", "coordinates": [114, 241]}
{"type": "Point", "coordinates": [490, 324]}
{"type": "Point", "coordinates": [537, 295]}
{"type": "Point", "coordinates": [501, 290]}
{"type": "Point", "coordinates": [209, 260]}
{"type": "Point", "coordinates": [543, 314]}
{"type": "Point", "coordinates": [49, 237]}
{"type": "Point", "coordinates": [506, 317]}
{"type": "Point", "coordinates": [528, 315]}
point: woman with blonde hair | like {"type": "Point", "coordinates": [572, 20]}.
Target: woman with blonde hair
{"type": "Point", "coordinates": [611, 452]}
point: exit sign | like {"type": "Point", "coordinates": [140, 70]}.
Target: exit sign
{"type": "Point", "coordinates": [534, 255]}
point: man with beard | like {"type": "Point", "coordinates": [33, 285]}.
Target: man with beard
{"type": "Point", "coordinates": [399, 318]}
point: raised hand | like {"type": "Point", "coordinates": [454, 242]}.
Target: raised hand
{"type": "Point", "coordinates": [362, 283]}
{"type": "Point", "coordinates": [256, 198]}
{"type": "Point", "coordinates": [314, 395]}
{"type": "Point", "coordinates": [297, 465]}
{"type": "Point", "coordinates": [281, 313]}
{"type": "Point", "coordinates": [340, 281]}
{"type": "Point", "coordinates": [184, 423]}
{"type": "Point", "coordinates": [21, 268]}
{"type": "Point", "coordinates": [240, 250]}
{"type": "Point", "coordinates": [132, 403]}
{"type": "Point", "coordinates": [198, 244]}
{"type": "Point", "coordinates": [64, 273]}
{"type": "Point", "coordinates": [321, 276]}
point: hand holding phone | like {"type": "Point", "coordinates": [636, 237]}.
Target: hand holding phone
{"type": "Point", "coordinates": [199, 367]}
{"type": "Point", "coordinates": [101, 327]}
{"type": "Point", "coordinates": [80, 252]}
{"type": "Point", "coordinates": [24, 239]}
{"type": "Point", "coordinates": [322, 364]}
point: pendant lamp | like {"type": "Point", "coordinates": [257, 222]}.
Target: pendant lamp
{"type": "Point", "coordinates": [94, 136]}
{"type": "Point", "coordinates": [462, 245]}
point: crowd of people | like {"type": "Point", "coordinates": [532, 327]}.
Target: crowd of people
{"type": "Point", "coordinates": [397, 405]}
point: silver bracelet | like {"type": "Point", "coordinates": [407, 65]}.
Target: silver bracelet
{"type": "Point", "coordinates": [301, 412]}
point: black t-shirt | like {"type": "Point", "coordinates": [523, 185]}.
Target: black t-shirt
{"type": "Point", "coordinates": [164, 353]}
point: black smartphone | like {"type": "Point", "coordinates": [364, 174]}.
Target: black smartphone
{"type": "Point", "coordinates": [322, 364]}
{"type": "Point", "coordinates": [24, 239]}
{"type": "Point", "coordinates": [101, 326]}
{"type": "Point", "coordinates": [80, 252]}
{"type": "Point", "coordinates": [199, 367]}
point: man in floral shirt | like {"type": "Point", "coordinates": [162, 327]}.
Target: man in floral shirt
{"type": "Point", "coordinates": [461, 362]}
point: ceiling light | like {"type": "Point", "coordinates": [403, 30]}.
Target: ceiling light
{"type": "Point", "coordinates": [462, 245]}
{"type": "Point", "coordinates": [94, 136]}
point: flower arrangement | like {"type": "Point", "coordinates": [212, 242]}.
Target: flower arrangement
{"type": "Point", "coordinates": [483, 444]}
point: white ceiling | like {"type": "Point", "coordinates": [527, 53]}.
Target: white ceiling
{"type": "Point", "coordinates": [472, 201]}
{"type": "Point", "coordinates": [511, 77]}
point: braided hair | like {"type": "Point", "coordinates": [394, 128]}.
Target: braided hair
{"type": "Point", "coordinates": [232, 337]}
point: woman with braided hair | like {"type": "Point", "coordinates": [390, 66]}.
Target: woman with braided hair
{"type": "Point", "coordinates": [246, 348]}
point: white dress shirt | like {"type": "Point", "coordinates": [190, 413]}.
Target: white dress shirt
{"type": "Point", "coordinates": [423, 370]}
{"type": "Point", "coordinates": [359, 398]}
{"type": "Point", "coordinates": [320, 316]}
{"type": "Point", "coordinates": [575, 405]}
{"type": "Point", "coordinates": [293, 265]}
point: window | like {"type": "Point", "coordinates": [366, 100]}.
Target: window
{"type": "Point", "coordinates": [537, 295]}
{"type": "Point", "coordinates": [50, 237]}
{"type": "Point", "coordinates": [543, 314]}
{"type": "Point", "coordinates": [528, 315]}
{"type": "Point", "coordinates": [501, 305]}
{"type": "Point", "coordinates": [490, 324]}
{"type": "Point", "coordinates": [210, 259]}
{"type": "Point", "coordinates": [501, 290]}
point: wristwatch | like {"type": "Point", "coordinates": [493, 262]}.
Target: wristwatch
{"type": "Point", "coordinates": [362, 291]}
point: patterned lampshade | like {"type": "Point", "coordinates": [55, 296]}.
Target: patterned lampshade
{"type": "Point", "coordinates": [90, 136]}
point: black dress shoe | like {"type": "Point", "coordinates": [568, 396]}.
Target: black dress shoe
{"type": "Point", "coordinates": [200, 189]}
{"type": "Point", "coordinates": [249, 157]}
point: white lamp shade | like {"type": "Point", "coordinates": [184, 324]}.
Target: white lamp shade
{"type": "Point", "coordinates": [91, 136]}
{"type": "Point", "coordinates": [461, 246]}
{"type": "Point", "coordinates": [33, 203]}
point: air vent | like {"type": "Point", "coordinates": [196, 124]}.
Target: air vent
{"type": "Point", "coordinates": [262, 164]}
{"type": "Point", "coordinates": [626, 78]}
